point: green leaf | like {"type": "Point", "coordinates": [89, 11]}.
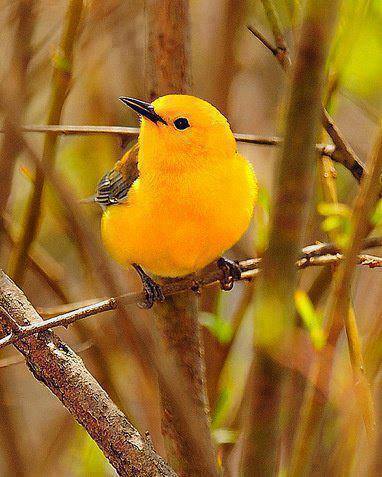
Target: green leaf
{"type": "Point", "coordinates": [221, 405]}
{"type": "Point", "coordinates": [376, 218]}
{"type": "Point", "coordinates": [329, 208]}
{"type": "Point", "coordinates": [331, 223]}
{"type": "Point", "coordinates": [263, 199]}
{"type": "Point", "coordinates": [220, 328]}
{"type": "Point", "coordinates": [60, 62]}
{"type": "Point", "coordinates": [312, 320]}
{"type": "Point", "coordinates": [261, 217]}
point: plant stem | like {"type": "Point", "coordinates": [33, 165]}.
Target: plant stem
{"type": "Point", "coordinates": [274, 298]}
{"type": "Point", "coordinates": [62, 70]}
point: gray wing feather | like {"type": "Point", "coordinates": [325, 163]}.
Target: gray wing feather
{"type": "Point", "coordinates": [114, 186]}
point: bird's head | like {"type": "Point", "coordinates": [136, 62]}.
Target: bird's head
{"type": "Point", "coordinates": [180, 131]}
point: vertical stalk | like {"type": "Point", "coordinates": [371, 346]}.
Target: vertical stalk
{"type": "Point", "coordinates": [275, 307]}
{"type": "Point", "coordinates": [365, 202]}
{"type": "Point", "coordinates": [340, 312]}
{"type": "Point", "coordinates": [16, 88]}
{"type": "Point", "coordinates": [62, 64]}
{"type": "Point", "coordinates": [168, 71]}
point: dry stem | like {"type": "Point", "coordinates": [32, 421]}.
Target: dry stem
{"type": "Point", "coordinates": [59, 89]}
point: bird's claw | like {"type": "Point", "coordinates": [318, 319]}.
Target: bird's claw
{"type": "Point", "coordinates": [195, 287]}
{"type": "Point", "coordinates": [153, 293]}
{"type": "Point", "coordinates": [231, 271]}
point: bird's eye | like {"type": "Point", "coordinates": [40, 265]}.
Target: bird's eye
{"type": "Point", "coordinates": [181, 124]}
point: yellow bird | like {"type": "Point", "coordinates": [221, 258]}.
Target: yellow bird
{"type": "Point", "coordinates": [181, 197]}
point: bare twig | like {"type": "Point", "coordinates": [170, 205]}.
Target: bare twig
{"type": "Point", "coordinates": [16, 89]}
{"type": "Point", "coordinates": [122, 131]}
{"type": "Point", "coordinates": [54, 364]}
{"type": "Point", "coordinates": [317, 255]}
{"type": "Point", "coordinates": [39, 261]}
{"type": "Point", "coordinates": [355, 167]}
{"type": "Point", "coordinates": [344, 153]}
{"type": "Point", "coordinates": [282, 53]}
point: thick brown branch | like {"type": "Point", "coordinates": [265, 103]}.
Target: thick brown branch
{"type": "Point", "coordinates": [62, 371]}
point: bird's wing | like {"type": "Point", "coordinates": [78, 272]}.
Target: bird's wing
{"type": "Point", "coordinates": [114, 186]}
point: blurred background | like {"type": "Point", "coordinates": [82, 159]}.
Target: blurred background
{"type": "Point", "coordinates": [232, 70]}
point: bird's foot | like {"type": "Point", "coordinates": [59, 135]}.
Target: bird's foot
{"type": "Point", "coordinates": [195, 287]}
{"type": "Point", "coordinates": [152, 290]}
{"type": "Point", "coordinates": [231, 271]}
{"type": "Point", "coordinates": [153, 293]}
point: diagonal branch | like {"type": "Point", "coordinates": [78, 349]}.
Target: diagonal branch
{"type": "Point", "coordinates": [344, 153]}
{"type": "Point", "coordinates": [54, 364]}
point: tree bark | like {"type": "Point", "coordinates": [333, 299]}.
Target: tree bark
{"type": "Point", "coordinates": [168, 67]}
{"type": "Point", "coordinates": [168, 71]}
{"type": "Point", "coordinates": [53, 363]}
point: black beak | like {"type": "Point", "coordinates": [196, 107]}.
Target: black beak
{"type": "Point", "coordinates": [143, 108]}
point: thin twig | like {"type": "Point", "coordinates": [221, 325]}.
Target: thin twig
{"type": "Point", "coordinates": [39, 261]}
{"type": "Point", "coordinates": [344, 153]}
{"type": "Point", "coordinates": [355, 167]}
{"type": "Point", "coordinates": [263, 39]}
{"type": "Point", "coordinates": [282, 54]}
{"type": "Point", "coordinates": [250, 269]}
{"type": "Point", "coordinates": [122, 131]}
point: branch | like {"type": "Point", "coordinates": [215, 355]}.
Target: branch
{"type": "Point", "coordinates": [275, 308]}
{"type": "Point", "coordinates": [329, 150]}
{"type": "Point", "coordinates": [344, 153]}
{"type": "Point", "coordinates": [168, 71]}
{"type": "Point", "coordinates": [317, 255]}
{"type": "Point", "coordinates": [59, 87]}
{"type": "Point", "coordinates": [339, 311]}
{"type": "Point", "coordinates": [53, 363]}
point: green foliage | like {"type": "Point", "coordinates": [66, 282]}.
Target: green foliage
{"type": "Point", "coordinates": [261, 217]}
{"type": "Point", "coordinates": [337, 219]}
{"type": "Point", "coordinates": [357, 50]}
{"type": "Point", "coordinates": [311, 318]}
{"type": "Point", "coordinates": [376, 218]}
{"type": "Point", "coordinates": [218, 326]}
{"type": "Point", "coordinates": [234, 374]}
{"type": "Point", "coordinates": [86, 458]}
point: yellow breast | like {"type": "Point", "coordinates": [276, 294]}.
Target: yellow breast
{"type": "Point", "coordinates": [175, 224]}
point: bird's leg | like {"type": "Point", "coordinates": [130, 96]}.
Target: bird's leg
{"type": "Point", "coordinates": [152, 290]}
{"type": "Point", "coordinates": [231, 272]}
